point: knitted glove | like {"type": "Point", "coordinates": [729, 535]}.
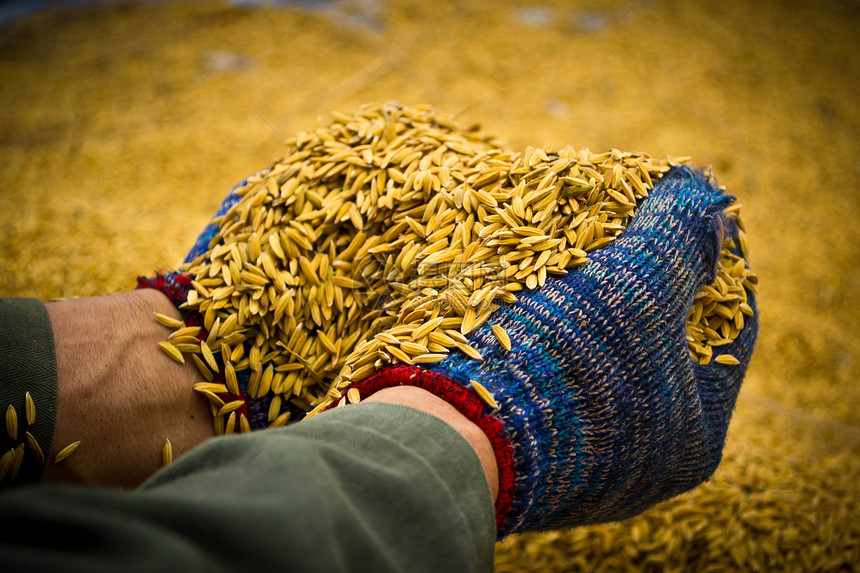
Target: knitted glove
{"type": "Point", "coordinates": [601, 411]}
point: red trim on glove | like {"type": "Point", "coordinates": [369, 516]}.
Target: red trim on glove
{"type": "Point", "coordinates": [175, 286]}
{"type": "Point", "coordinates": [467, 403]}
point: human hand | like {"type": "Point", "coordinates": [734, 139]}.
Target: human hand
{"type": "Point", "coordinates": [601, 411]}
{"type": "Point", "coordinates": [303, 250]}
{"type": "Point", "coordinates": [117, 393]}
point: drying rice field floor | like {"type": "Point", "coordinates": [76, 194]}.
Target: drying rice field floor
{"type": "Point", "coordinates": [122, 126]}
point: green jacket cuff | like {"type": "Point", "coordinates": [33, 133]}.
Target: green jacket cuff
{"type": "Point", "coordinates": [28, 363]}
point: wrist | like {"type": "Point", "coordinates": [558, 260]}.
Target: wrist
{"type": "Point", "coordinates": [117, 393]}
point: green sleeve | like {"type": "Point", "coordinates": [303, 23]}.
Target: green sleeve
{"type": "Point", "coordinates": [368, 487]}
{"type": "Point", "coordinates": [28, 363]}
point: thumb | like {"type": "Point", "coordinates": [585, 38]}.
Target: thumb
{"type": "Point", "coordinates": [719, 383]}
{"type": "Point", "coordinates": [671, 247]}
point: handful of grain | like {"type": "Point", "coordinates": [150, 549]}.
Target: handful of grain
{"type": "Point", "coordinates": [390, 234]}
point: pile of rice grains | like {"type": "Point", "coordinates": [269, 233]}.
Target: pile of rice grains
{"type": "Point", "coordinates": [387, 236]}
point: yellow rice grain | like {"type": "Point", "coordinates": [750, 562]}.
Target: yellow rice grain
{"type": "Point", "coordinates": [17, 458]}
{"type": "Point", "coordinates": [29, 409]}
{"type": "Point", "coordinates": [166, 453]}
{"type": "Point", "coordinates": [35, 449]}
{"type": "Point", "coordinates": [12, 422]}
{"type": "Point", "coordinates": [66, 452]}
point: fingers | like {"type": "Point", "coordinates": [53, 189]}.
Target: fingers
{"type": "Point", "coordinates": [719, 383]}
{"type": "Point", "coordinates": [667, 253]}
{"type": "Point", "coordinates": [678, 225]}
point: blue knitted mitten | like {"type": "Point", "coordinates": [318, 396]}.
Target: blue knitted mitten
{"type": "Point", "coordinates": [603, 409]}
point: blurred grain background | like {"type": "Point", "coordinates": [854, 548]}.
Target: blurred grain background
{"type": "Point", "coordinates": [123, 125]}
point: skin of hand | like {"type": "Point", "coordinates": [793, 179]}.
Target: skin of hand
{"type": "Point", "coordinates": [423, 400]}
{"type": "Point", "coordinates": [118, 393]}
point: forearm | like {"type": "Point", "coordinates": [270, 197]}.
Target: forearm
{"type": "Point", "coordinates": [118, 394]}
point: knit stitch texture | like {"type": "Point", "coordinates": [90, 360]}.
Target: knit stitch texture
{"type": "Point", "coordinates": [605, 411]}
